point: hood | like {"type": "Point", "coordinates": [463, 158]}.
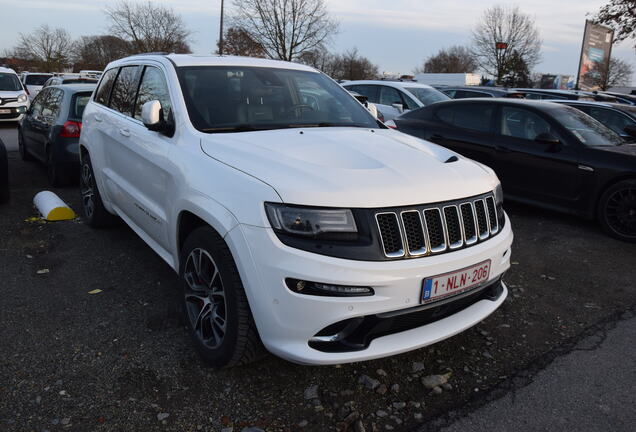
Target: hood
{"type": "Point", "coordinates": [350, 167]}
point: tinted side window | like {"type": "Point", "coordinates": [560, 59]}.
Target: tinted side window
{"type": "Point", "coordinates": [449, 93]}
{"type": "Point", "coordinates": [153, 87]}
{"type": "Point", "coordinates": [475, 117]}
{"type": "Point", "coordinates": [613, 120]}
{"type": "Point", "coordinates": [463, 94]}
{"type": "Point", "coordinates": [102, 94]}
{"type": "Point", "coordinates": [521, 123]}
{"type": "Point", "coordinates": [51, 105]}
{"type": "Point", "coordinates": [36, 105]}
{"type": "Point", "coordinates": [370, 91]}
{"type": "Point", "coordinates": [389, 96]}
{"type": "Point", "coordinates": [124, 90]}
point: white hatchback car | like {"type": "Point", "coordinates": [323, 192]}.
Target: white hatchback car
{"type": "Point", "coordinates": [293, 217]}
{"type": "Point", "coordinates": [393, 98]}
{"type": "Point", "coordinates": [13, 98]}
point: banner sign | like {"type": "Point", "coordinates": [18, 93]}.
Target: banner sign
{"type": "Point", "coordinates": [595, 56]}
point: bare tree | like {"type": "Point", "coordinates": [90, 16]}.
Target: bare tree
{"type": "Point", "coordinates": [49, 48]}
{"type": "Point", "coordinates": [237, 41]}
{"type": "Point", "coordinates": [456, 59]}
{"type": "Point", "coordinates": [621, 16]}
{"type": "Point", "coordinates": [95, 52]}
{"type": "Point", "coordinates": [285, 28]}
{"type": "Point", "coordinates": [618, 74]}
{"type": "Point", "coordinates": [149, 27]}
{"type": "Point", "coordinates": [346, 66]}
{"type": "Point", "coordinates": [502, 31]}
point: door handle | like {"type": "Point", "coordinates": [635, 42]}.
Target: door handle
{"type": "Point", "coordinates": [124, 132]}
{"type": "Point", "coordinates": [503, 149]}
{"type": "Point", "coordinates": [98, 119]}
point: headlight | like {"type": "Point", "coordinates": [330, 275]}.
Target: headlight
{"type": "Point", "coordinates": [22, 98]}
{"type": "Point", "coordinates": [310, 222]}
{"type": "Point", "coordinates": [498, 195]}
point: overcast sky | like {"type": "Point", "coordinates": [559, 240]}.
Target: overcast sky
{"type": "Point", "coordinates": [395, 34]}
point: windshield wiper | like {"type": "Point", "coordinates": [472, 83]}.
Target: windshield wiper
{"type": "Point", "coordinates": [245, 127]}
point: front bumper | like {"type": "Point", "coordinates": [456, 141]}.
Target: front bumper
{"type": "Point", "coordinates": [288, 321]}
{"type": "Point", "coordinates": [15, 111]}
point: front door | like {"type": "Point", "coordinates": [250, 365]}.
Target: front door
{"type": "Point", "coordinates": [531, 169]}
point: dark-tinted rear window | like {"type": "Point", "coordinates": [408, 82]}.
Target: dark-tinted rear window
{"type": "Point", "coordinates": [78, 104]}
{"type": "Point", "coordinates": [36, 79]}
{"type": "Point", "coordinates": [103, 91]}
{"type": "Point", "coordinates": [79, 81]}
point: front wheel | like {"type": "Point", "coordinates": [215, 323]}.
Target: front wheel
{"type": "Point", "coordinates": [617, 210]}
{"type": "Point", "coordinates": [215, 306]}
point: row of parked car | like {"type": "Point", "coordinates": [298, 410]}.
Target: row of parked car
{"type": "Point", "coordinates": [284, 204]}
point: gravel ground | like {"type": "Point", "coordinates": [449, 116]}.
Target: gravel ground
{"type": "Point", "coordinates": [121, 359]}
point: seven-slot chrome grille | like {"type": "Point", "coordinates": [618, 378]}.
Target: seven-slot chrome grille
{"type": "Point", "coordinates": [437, 228]}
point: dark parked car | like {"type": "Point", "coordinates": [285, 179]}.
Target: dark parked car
{"type": "Point", "coordinates": [51, 128]}
{"type": "Point", "coordinates": [465, 92]}
{"type": "Point", "coordinates": [620, 118]}
{"type": "Point", "coordinates": [69, 80]}
{"type": "Point", "coordinates": [629, 99]}
{"type": "Point", "coordinates": [4, 174]}
{"type": "Point", "coordinates": [549, 94]}
{"type": "Point", "coordinates": [546, 154]}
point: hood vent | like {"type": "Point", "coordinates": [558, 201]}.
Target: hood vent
{"type": "Point", "coordinates": [452, 159]}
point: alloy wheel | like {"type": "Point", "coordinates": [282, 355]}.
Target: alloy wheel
{"type": "Point", "coordinates": [205, 298]}
{"type": "Point", "coordinates": [620, 211]}
{"type": "Point", "coordinates": [86, 190]}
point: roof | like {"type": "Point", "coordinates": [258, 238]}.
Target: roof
{"type": "Point", "coordinates": [6, 70]}
{"type": "Point", "coordinates": [539, 104]}
{"type": "Point", "coordinates": [180, 60]}
{"type": "Point", "coordinates": [399, 84]}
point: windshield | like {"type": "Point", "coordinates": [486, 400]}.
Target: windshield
{"type": "Point", "coordinates": [427, 96]}
{"type": "Point", "coordinates": [36, 80]}
{"type": "Point", "coordinates": [589, 131]}
{"type": "Point", "coordinates": [9, 82]}
{"type": "Point", "coordinates": [235, 99]}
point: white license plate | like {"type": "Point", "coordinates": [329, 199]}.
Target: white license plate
{"type": "Point", "coordinates": [456, 282]}
{"type": "Point", "coordinates": [5, 111]}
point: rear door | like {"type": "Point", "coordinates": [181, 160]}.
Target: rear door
{"type": "Point", "coordinates": [140, 160]}
{"type": "Point", "coordinates": [531, 169]}
{"type": "Point", "coordinates": [50, 113]}
{"type": "Point", "coordinates": [30, 123]}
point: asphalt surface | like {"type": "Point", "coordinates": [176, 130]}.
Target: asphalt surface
{"type": "Point", "coordinates": [120, 358]}
{"type": "Point", "coordinates": [590, 389]}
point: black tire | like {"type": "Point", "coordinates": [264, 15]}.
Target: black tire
{"type": "Point", "coordinates": [215, 308]}
{"type": "Point", "coordinates": [617, 211]}
{"type": "Point", "coordinates": [57, 173]}
{"type": "Point", "coordinates": [24, 153]}
{"type": "Point", "coordinates": [95, 214]}
{"type": "Point", "coordinates": [4, 174]}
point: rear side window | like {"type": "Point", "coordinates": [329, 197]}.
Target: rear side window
{"type": "Point", "coordinates": [153, 87]}
{"type": "Point", "coordinates": [370, 91]}
{"type": "Point", "coordinates": [124, 90]}
{"type": "Point", "coordinates": [51, 105]}
{"type": "Point", "coordinates": [463, 94]}
{"type": "Point", "coordinates": [389, 96]}
{"type": "Point", "coordinates": [78, 104]}
{"type": "Point", "coordinates": [474, 117]}
{"type": "Point", "coordinates": [103, 91]}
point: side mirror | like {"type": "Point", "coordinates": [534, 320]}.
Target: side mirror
{"type": "Point", "coordinates": [552, 142]}
{"type": "Point", "coordinates": [630, 130]}
{"type": "Point", "coordinates": [399, 107]}
{"type": "Point", "coordinates": [153, 117]}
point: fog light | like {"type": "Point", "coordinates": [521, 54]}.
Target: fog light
{"type": "Point", "coordinates": [22, 109]}
{"type": "Point", "coordinates": [330, 290]}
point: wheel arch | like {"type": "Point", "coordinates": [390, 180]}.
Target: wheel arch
{"type": "Point", "coordinates": [608, 184]}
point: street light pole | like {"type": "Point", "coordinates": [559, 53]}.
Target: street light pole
{"type": "Point", "coordinates": [221, 32]}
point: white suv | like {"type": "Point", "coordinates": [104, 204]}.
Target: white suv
{"type": "Point", "coordinates": [393, 98]}
{"type": "Point", "coordinates": [293, 217]}
{"type": "Point", "coordinates": [13, 98]}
